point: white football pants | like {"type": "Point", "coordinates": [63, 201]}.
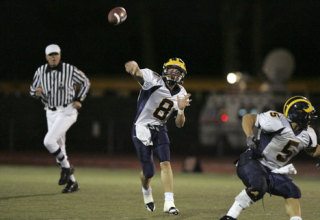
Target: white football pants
{"type": "Point", "coordinates": [59, 121]}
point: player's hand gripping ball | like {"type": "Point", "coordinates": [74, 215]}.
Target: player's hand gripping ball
{"type": "Point", "coordinates": [117, 15]}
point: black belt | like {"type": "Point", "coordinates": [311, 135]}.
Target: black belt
{"type": "Point", "coordinates": [55, 108]}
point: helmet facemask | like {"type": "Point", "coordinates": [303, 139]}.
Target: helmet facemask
{"type": "Point", "coordinates": [174, 71]}
{"type": "Point", "coordinates": [301, 117]}
{"type": "Point", "coordinates": [173, 76]}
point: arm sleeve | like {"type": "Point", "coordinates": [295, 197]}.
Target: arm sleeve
{"type": "Point", "coordinates": [150, 78]}
{"type": "Point", "coordinates": [147, 75]}
{"type": "Point", "coordinates": [35, 83]}
{"type": "Point", "coordinates": [312, 137]}
{"type": "Point", "coordinates": [84, 83]}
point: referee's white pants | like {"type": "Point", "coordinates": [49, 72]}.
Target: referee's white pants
{"type": "Point", "coordinates": [59, 122]}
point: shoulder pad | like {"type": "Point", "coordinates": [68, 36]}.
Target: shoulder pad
{"type": "Point", "coordinates": [270, 121]}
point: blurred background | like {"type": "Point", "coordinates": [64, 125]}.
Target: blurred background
{"type": "Point", "coordinates": [241, 55]}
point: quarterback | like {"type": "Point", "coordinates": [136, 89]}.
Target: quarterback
{"type": "Point", "coordinates": [160, 97]}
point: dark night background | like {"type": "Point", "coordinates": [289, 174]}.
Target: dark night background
{"type": "Point", "coordinates": [211, 36]}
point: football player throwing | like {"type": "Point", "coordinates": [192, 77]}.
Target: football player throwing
{"type": "Point", "coordinates": [160, 97]}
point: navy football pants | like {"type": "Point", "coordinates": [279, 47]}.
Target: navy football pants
{"type": "Point", "coordinates": [256, 176]}
{"type": "Point", "coordinates": [161, 148]}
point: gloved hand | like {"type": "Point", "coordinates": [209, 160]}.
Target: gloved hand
{"type": "Point", "coordinates": [252, 142]}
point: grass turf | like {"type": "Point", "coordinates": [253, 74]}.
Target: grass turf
{"type": "Point", "coordinates": [32, 192]}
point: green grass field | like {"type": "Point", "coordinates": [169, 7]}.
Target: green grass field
{"type": "Point", "coordinates": [28, 192]}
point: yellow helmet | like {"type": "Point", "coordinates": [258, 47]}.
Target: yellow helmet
{"type": "Point", "coordinates": [174, 71]}
{"type": "Point", "coordinates": [299, 110]}
{"type": "Point", "coordinates": [175, 63]}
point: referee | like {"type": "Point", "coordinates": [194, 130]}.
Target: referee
{"type": "Point", "coordinates": [62, 88]}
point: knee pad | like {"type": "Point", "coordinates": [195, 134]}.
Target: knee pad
{"type": "Point", "coordinates": [148, 170]}
{"type": "Point", "coordinates": [256, 193]}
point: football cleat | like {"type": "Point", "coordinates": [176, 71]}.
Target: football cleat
{"type": "Point", "coordinates": [227, 218]}
{"type": "Point", "coordinates": [148, 200]}
{"type": "Point", "coordinates": [150, 206]}
{"type": "Point", "coordinates": [173, 211]}
{"type": "Point", "coordinates": [65, 175]}
{"type": "Point", "coordinates": [170, 208]}
{"type": "Point", "coordinates": [71, 187]}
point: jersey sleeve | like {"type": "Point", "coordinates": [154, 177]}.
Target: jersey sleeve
{"type": "Point", "coordinates": [82, 80]}
{"type": "Point", "coordinates": [312, 137]}
{"type": "Point", "coordinates": [269, 121]}
{"type": "Point", "coordinates": [35, 83]}
{"type": "Point", "coordinates": [150, 78]}
{"type": "Point", "coordinates": [182, 91]}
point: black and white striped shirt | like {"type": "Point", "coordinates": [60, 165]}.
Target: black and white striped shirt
{"type": "Point", "coordinates": [61, 85]}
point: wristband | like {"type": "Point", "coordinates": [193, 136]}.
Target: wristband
{"type": "Point", "coordinates": [180, 112]}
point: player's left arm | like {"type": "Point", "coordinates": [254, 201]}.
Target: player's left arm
{"type": "Point", "coordinates": [183, 102]}
{"type": "Point", "coordinates": [36, 90]}
{"type": "Point", "coordinates": [317, 151]}
{"type": "Point", "coordinates": [133, 69]}
{"type": "Point", "coordinates": [313, 151]}
{"type": "Point", "coordinates": [84, 86]}
{"type": "Point", "coordinates": [313, 148]}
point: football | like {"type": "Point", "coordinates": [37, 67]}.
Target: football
{"type": "Point", "coordinates": [117, 15]}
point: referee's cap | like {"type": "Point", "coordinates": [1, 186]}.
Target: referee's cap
{"type": "Point", "coordinates": [52, 48]}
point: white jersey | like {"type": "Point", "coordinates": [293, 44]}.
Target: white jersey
{"type": "Point", "coordinates": [156, 102]}
{"type": "Point", "coordinates": [278, 142]}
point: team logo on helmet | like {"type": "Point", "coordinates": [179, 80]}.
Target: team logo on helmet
{"type": "Point", "coordinates": [175, 63]}
{"type": "Point", "coordinates": [299, 110]}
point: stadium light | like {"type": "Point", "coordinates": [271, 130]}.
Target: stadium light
{"type": "Point", "coordinates": [234, 77]}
